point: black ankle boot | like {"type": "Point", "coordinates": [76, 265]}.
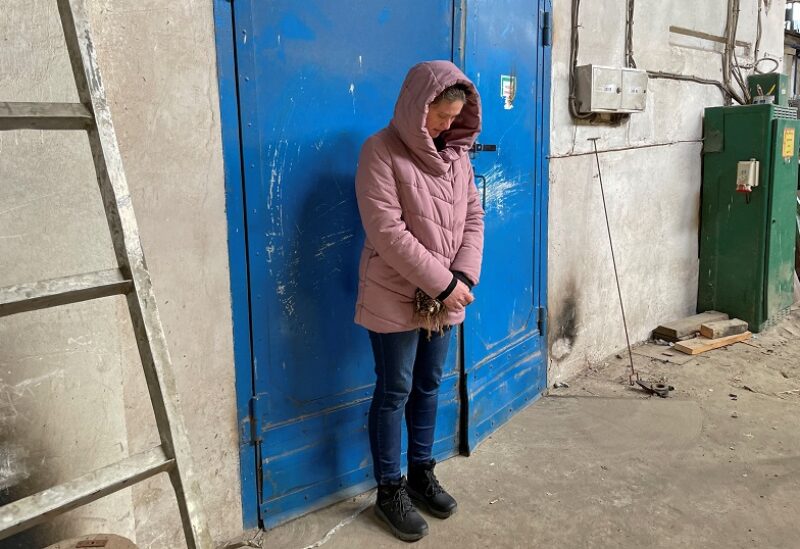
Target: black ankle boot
{"type": "Point", "coordinates": [394, 507]}
{"type": "Point", "coordinates": [427, 492]}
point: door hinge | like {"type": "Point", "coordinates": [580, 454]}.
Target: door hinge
{"type": "Point", "coordinates": [541, 320]}
{"type": "Point", "coordinates": [547, 28]}
{"type": "Point", "coordinates": [248, 426]}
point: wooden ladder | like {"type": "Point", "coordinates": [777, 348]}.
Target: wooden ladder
{"type": "Point", "coordinates": [131, 279]}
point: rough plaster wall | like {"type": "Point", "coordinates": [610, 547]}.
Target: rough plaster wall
{"type": "Point", "coordinates": [72, 396]}
{"type": "Point", "coordinates": [652, 193]}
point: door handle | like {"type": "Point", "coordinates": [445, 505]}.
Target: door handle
{"type": "Point", "coordinates": [479, 147]}
{"type": "Point", "coordinates": [476, 148]}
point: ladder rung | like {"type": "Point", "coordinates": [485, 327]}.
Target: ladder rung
{"type": "Point", "coordinates": [32, 510]}
{"type": "Point", "coordinates": [44, 116]}
{"type": "Point", "coordinates": [62, 291]}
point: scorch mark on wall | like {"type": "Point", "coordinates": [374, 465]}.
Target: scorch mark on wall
{"type": "Point", "coordinates": [564, 324]}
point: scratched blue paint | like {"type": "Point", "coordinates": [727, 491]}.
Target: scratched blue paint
{"type": "Point", "coordinates": [237, 251]}
{"type": "Point", "coordinates": [308, 100]}
{"type": "Point", "coordinates": [505, 352]}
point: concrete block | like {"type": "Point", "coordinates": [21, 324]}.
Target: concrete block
{"type": "Point", "coordinates": [723, 328]}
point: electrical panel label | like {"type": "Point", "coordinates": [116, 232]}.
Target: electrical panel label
{"type": "Point", "coordinates": [788, 142]}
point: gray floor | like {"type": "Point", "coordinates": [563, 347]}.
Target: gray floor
{"type": "Point", "coordinates": [600, 465]}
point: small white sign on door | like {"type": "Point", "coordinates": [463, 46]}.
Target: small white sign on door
{"type": "Point", "coordinates": [508, 90]}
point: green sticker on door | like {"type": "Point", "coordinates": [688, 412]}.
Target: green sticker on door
{"type": "Point", "coordinates": [508, 90]}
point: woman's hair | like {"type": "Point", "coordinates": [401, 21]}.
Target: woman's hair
{"type": "Point", "coordinates": [457, 92]}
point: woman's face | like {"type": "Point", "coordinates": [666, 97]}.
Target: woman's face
{"type": "Point", "coordinates": [441, 116]}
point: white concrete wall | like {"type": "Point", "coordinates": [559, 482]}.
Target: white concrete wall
{"type": "Point", "coordinates": [72, 396]}
{"type": "Point", "coordinates": [652, 189]}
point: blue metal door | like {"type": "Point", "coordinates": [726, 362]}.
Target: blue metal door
{"type": "Point", "coordinates": [315, 79]}
{"type": "Point", "coordinates": [504, 345]}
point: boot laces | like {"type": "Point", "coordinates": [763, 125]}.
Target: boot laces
{"type": "Point", "coordinates": [434, 488]}
{"type": "Point", "coordinates": [402, 502]}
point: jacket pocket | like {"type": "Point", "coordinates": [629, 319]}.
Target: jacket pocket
{"type": "Point", "coordinates": [366, 255]}
{"type": "Point", "coordinates": [381, 274]}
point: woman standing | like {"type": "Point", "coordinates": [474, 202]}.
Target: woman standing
{"type": "Point", "coordinates": [424, 242]}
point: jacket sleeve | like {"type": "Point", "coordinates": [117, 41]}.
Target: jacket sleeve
{"type": "Point", "coordinates": [382, 216]}
{"type": "Point", "coordinates": [470, 254]}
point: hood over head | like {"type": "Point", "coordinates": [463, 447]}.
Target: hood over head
{"type": "Point", "coordinates": [423, 83]}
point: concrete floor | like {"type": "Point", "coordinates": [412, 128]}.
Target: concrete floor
{"type": "Point", "coordinates": [601, 465]}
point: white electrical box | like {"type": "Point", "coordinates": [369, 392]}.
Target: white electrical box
{"type": "Point", "coordinates": [634, 90]}
{"type": "Point", "coordinates": [598, 89]}
{"type": "Point", "coordinates": [747, 175]}
{"type": "Point", "coordinates": [601, 89]}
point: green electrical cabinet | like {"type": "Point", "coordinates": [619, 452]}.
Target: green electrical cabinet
{"type": "Point", "coordinates": [747, 239]}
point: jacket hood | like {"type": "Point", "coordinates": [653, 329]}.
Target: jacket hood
{"type": "Point", "coordinates": [422, 84]}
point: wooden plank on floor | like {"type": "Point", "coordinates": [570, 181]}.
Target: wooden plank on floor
{"type": "Point", "coordinates": [702, 344]}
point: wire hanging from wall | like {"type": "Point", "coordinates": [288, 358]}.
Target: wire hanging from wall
{"type": "Point", "coordinates": [728, 93]}
{"type": "Point", "coordinates": [629, 60]}
{"type": "Point", "coordinates": [759, 31]}
{"type": "Point", "coordinates": [731, 68]}
{"type": "Point", "coordinates": [573, 62]}
{"type": "Point", "coordinates": [732, 65]}
{"type": "Point", "coordinates": [763, 6]}
{"type": "Point", "coordinates": [612, 119]}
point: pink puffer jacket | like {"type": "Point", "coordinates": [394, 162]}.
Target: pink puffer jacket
{"type": "Point", "coordinates": [419, 206]}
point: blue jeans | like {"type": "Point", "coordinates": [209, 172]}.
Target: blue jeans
{"type": "Point", "coordinates": [409, 370]}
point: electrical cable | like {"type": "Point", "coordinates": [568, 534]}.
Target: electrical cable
{"type": "Point", "coordinates": [629, 61]}
{"type": "Point", "coordinates": [731, 68]}
{"type": "Point", "coordinates": [766, 5]}
{"type": "Point", "coordinates": [759, 32]}
{"type": "Point", "coordinates": [614, 119]}
{"type": "Point", "coordinates": [741, 80]}
{"type": "Point", "coordinates": [729, 54]}
{"type": "Point", "coordinates": [690, 78]}
{"type": "Point", "coordinates": [763, 5]}
{"type": "Point", "coordinates": [777, 64]}
{"type": "Point", "coordinates": [726, 94]}
{"type": "Point", "coordinates": [573, 63]}
{"type": "Point", "coordinates": [726, 54]}
{"type": "Point", "coordinates": [621, 149]}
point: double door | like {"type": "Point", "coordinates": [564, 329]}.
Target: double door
{"type": "Point", "coordinates": [315, 79]}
